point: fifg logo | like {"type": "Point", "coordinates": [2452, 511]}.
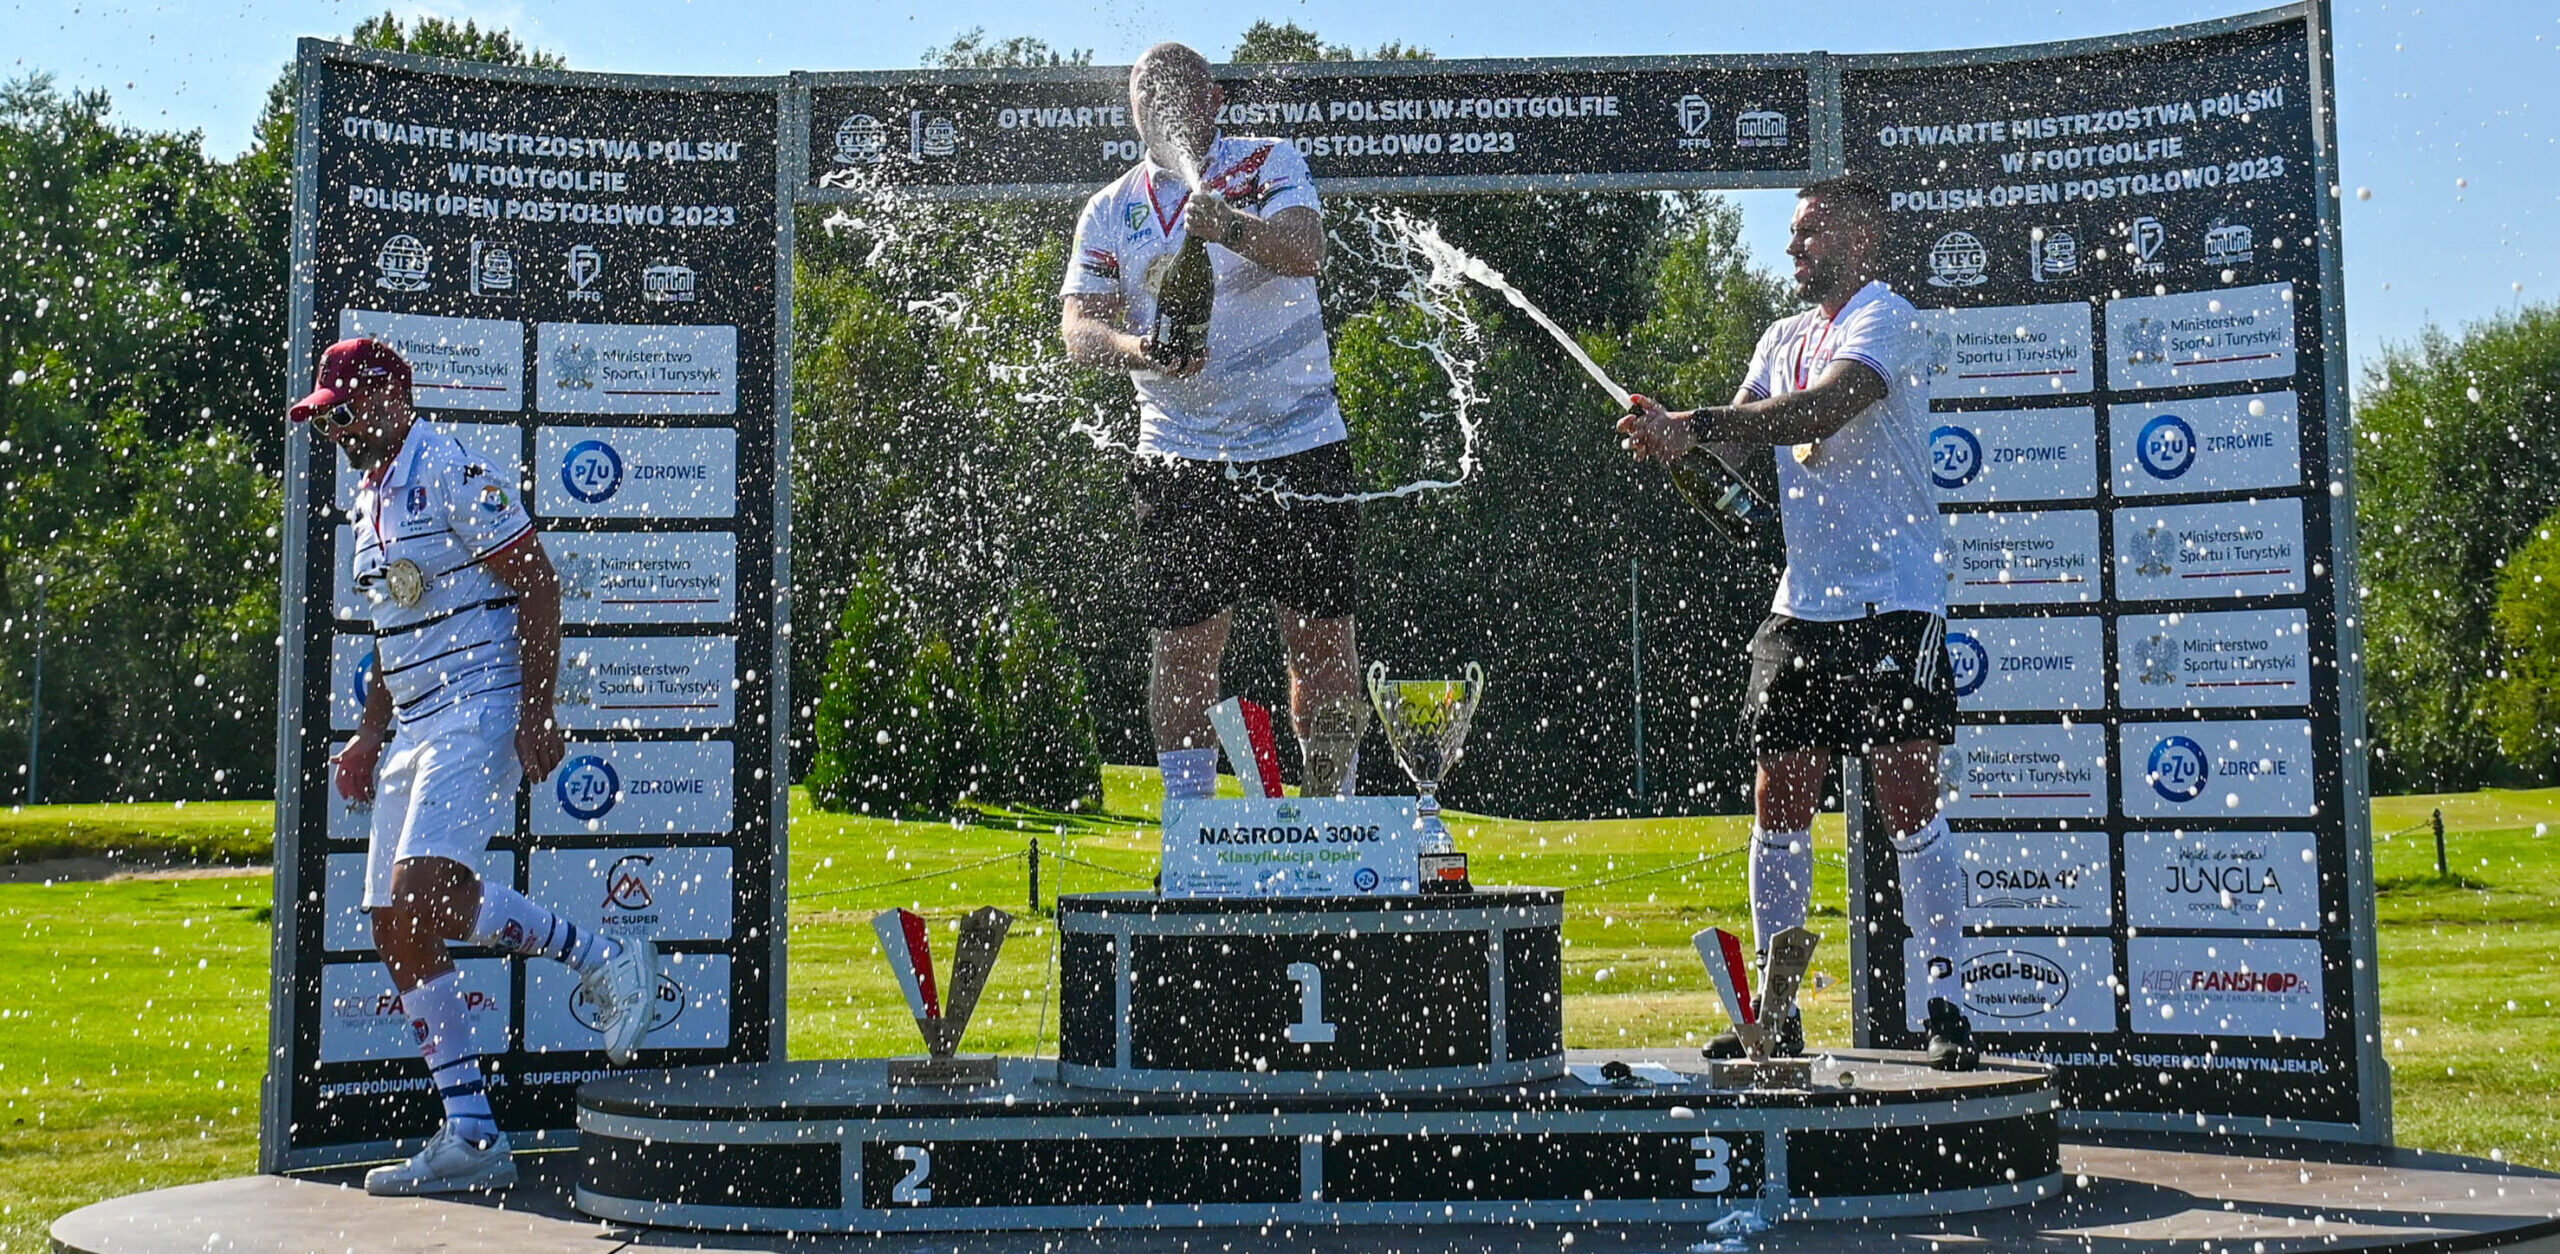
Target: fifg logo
{"type": "Point", "coordinates": [2053, 253]}
{"type": "Point", "coordinates": [1760, 128]}
{"type": "Point", "coordinates": [2229, 244]}
{"type": "Point", "coordinates": [1958, 259]}
{"type": "Point", "coordinates": [404, 264]}
{"type": "Point", "coordinates": [586, 265]}
{"type": "Point", "coordinates": [862, 140]}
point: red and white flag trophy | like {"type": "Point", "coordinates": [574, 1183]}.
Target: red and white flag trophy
{"type": "Point", "coordinates": [1244, 730]}
{"type": "Point", "coordinates": [909, 949]}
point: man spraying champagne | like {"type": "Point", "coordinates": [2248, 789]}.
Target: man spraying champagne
{"type": "Point", "coordinates": [1195, 272]}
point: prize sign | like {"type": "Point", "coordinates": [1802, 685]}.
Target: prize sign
{"type": "Point", "coordinates": [582, 272]}
{"type": "Point", "coordinates": [2127, 252]}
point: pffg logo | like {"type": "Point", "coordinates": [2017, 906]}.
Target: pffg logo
{"type": "Point", "coordinates": [592, 472]}
{"type": "Point", "coordinates": [588, 787]}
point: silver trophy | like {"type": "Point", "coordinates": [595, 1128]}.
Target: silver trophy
{"type": "Point", "coordinates": [1426, 724]}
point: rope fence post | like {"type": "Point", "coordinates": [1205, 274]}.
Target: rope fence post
{"type": "Point", "coordinates": [1035, 875]}
{"type": "Point", "coordinates": [2438, 821]}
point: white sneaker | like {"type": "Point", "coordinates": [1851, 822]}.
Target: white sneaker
{"type": "Point", "coordinates": [623, 989]}
{"type": "Point", "coordinates": [448, 1164]}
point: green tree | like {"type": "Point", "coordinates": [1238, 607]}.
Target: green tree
{"type": "Point", "coordinates": [2456, 469]}
{"type": "Point", "coordinates": [2523, 697]}
{"type": "Point", "coordinates": [1035, 714]}
{"type": "Point", "coordinates": [857, 725]}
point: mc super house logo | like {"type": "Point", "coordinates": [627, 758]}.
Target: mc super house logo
{"type": "Point", "coordinates": [630, 893]}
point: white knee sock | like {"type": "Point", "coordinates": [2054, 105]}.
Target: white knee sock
{"type": "Point", "coordinates": [1781, 882]}
{"type": "Point", "coordinates": [1932, 869]}
{"type": "Point", "coordinates": [1189, 774]}
{"type": "Point", "coordinates": [443, 1030]}
{"type": "Point", "coordinates": [514, 923]}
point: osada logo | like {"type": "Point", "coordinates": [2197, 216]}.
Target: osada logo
{"type": "Point", "coordinates": [664, 1009]}
{"type": "Point", "coordinates": [2014, 984]}
{"type": "Point", "coordinates": [626, 882]}
{"type": "Point", "coordinates": [2174, 981]}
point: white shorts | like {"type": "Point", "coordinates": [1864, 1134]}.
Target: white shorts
{"type": "Point", "coordinates": [448, 786]}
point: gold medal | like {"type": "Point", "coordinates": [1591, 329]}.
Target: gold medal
{"type": "Point", "coordinates": [405, 582]}
{"type": "Point", "coordinates": [1807, 452]}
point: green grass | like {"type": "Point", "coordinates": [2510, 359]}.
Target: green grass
{"type": "Point", "coordinates": [126, 1065]}
{"type": "Point", "coordinates": [227, 832]}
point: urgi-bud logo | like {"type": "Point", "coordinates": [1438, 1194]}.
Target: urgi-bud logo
{"type": "Point", "coordinates": [1968, 662]}
{"type": "Point", "coordinates": [1955, 457]}
{"type": "Point", "coordinates": [592, 472]}
{"type": "Point", "coordinates": [588, 787]}
{"type": "Point", "coordinates": [2014, 984]}
{"type": "Point", "coordinates": [2167, 447]}
{"type": "Point", "coordinates": [2177, 769]}
{"type": "Point", "coordinates": [664, 1009]}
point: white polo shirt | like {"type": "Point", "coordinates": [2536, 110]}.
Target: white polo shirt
{"type": "Point", "coordinates": [1862, 524]}
{"type": "Point", "coordinates": [1267, 390]}
{"type": "Point", "coordinates": [438, 508]}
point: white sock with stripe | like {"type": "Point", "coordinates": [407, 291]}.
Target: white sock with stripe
{"type": "Point", "coordinates": [1781, 883]}
{"type": "Point", "coordinates": [443, 1030]}
{"type": "Point", "coordinates": [514, 923]}
{"type": "Point", "coordinates": [1932, 871]}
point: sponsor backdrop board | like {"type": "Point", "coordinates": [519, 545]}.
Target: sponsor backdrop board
{"type": "Point", "coordinates": [2128, 251]}
{"type": "Point", "coordinates": [583, 272]}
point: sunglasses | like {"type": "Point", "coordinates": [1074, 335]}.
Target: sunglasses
{"type": "Point", "coordinates": [341, 414]}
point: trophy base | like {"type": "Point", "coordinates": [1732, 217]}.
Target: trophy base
{"type": "Point", "coordinates": [942, 1072]}
{"type": "Point", "coordinates": [1760, 1073]}
{"type": "Point", "coordinates": [1442, 873]}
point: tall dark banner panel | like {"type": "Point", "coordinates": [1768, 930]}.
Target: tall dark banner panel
{"type": "Point", "coordinates": [2125, 254]}
{"type": "Point", "coordinates": [582, 271]}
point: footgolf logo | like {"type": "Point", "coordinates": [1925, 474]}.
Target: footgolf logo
{"type": "Point", "coordinates": [588, 787]}
{"type": "Point", "coordinates": [1967, 661]}
{"type": "Point", "coordinates": [592, 472]}
{"type": "Point", "coordinates": [2177, 770]}
{"type": "Point", "coordinates": [2167, 446]}
{"type": "Point", "coordinates": [1955, 457]}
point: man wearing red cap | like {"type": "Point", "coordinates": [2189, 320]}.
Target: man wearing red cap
{"type": "Point", "coordinates": [466, 619]}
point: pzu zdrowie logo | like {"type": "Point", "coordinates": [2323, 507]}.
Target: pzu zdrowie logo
{"type": "Point", "coordinates": [588, 787]}
{"type": "Point", "coordinates": [2177, 769]}
{"type": "Point", "coordinates": [1967, 662]}
{"type": "Point", "coordinates": [1955, 457]}
{"type": "Point", "coordinates": [2167, 447]}
{"type": "Point", "coordinates": [592, 472]}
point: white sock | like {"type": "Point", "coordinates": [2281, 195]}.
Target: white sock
{"type": "Point", "coordinates": [1932, 870]}
{"type": "Point", "coordinates": [443, 1030]}
{"type": "Point", "coordinates": [514, 923]}
{"type": "Point", "coordinates": [1781, 883]}
{"type": "Point", "coordinates": [1189, 774]}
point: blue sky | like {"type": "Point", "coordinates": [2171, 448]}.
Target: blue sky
{"type": "Point", "coordinates": [2446, 109]}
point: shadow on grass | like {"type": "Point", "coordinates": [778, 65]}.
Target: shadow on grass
{"type": "Point", "coordinates": [2429, 882]}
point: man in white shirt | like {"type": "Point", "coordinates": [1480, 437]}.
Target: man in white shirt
{"type": "Point", "coordinates": [466, 621]}
{"type": "Point", "coordinates": [1853, 656]}
{"type": "Point", "coordinates": [1233, 442]}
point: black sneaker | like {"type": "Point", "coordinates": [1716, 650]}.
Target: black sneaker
{"type": "Point", "coordinates": [1789, 1043]}
{"type": "Point", "coordinates": [1951, 1046]}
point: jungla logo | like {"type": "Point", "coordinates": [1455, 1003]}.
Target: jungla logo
{"type": "Point", "coordinates": [1958, 259]}
{"type": "Point", "coordinates": [1695, 113]}
{"type": "Point", "coordinates": [862, 140]}
{"type": "Point", "coordinates": [588, 787]}
{"type": "Point", "coordinates": [404, 264]}
{"type": "Point", "coordinates": [664, 1008]}
{"type": "Point", "coordinates": [1955, 457]}
{"type": "Point", "coordinates": [2177, 769]}
{"type": "Point", "coordinates": [592, 471]}
{"type": "Point", "coordinates": [1968, 663]}
{"type": "Point", "coordinates": [2166, 447]}
{"type": "Point", "coordinates": [626, 882]}
{"type": "Point", "coordinates": [2014, 984]}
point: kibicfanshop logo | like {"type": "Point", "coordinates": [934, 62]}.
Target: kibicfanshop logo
{"type": "Point", "coordinates": [592, 472]}
{"type": "Point", "coordinates": [1955, 457]}
{"type": "Point", "coordinates": [1958, 259]}
{"type": "Point", "coordinates": [664, 1009]}
{"type": "Point", "coordinates": [2144, 238]}
{"type": "Point", "coordinates": [588, 787]}
{"type": "Point", "coordinates": [1695, 114]}
{"type": "Point", "coordinates": [586, 265]}
{"type": "Point", "coordinates": [862, 140]}
{"type": "Point", "coordinates": [2014, 984]}
{"type": "Point", "coordinates": [2155, 659]}
{"type": "Point", "coordinates": [1968, 663]}
{"type": "Point", "coordinates": [404, 264]}
{"type": "Point", "coordinates": [2231, 984]}
{"type": "Point", "coordinates": [2167, 447]}
{"type": "Point", "coordinates": [1760, 128]}
{"type": "Point", "coordinates": [2177, 769]}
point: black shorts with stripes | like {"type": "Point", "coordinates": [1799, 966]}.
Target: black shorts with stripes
{"type": "Point", "coordinates": [1849, 687]}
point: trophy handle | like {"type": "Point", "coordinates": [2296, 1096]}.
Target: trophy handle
{"type": "Point", "coordinates": [1378, 689]}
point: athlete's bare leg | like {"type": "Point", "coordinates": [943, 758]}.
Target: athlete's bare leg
{"type": "Point", "coordinates": [1324, 663]}
{"type": "Point", "coordinates": [434, 900]}
{"type": "Point", "coordinates": [1182, 683]}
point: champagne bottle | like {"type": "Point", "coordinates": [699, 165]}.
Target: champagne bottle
{"type": "Point", "coordinates": [1183, 304]}
{"type": "Point", "coordinates": [1718, 492]}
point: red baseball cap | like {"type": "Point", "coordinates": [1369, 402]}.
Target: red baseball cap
{"type": "Point", "coordinates": [351, 366]}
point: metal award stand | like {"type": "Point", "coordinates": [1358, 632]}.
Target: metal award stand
{"type": "Point", "coordinates": [1790, 952]}
{"type": "Point", "coordinates": [903, 938]}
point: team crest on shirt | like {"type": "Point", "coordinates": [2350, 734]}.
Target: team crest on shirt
{"type": "Point", "coordinates": [1137, 216]}
{"type": "Point", "coordinates": [493, 499]}
{"type": "Point", "coordinates": [418, 499]}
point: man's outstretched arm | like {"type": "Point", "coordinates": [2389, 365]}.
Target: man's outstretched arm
{"type": "Point", "coordinates": [1844, 391]}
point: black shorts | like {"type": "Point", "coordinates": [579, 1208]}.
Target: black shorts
{"type": "Point", "coordinates": [1208, 542]}
{"type": "Point", "coordinates": [1849, 687]}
